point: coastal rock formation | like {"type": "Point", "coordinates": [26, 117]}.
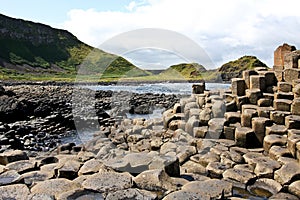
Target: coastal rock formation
{"type": "Point", "coordinates": [210, 145]}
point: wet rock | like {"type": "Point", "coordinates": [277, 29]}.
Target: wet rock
{"type": "Point", "coordinates": [12, 156]}
{"type": "Point", "coordinates": [54, 187]}
{"type": "Point", "coordinates": [108, 181]}
{"type": "Point", "coordinates": [132, 193]}
{"type": "Point", "coordinates": [214, 188]}
{"type": "Point", "coordinates": [16, 191]}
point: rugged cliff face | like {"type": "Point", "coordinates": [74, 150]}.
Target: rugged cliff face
{"type": "Point", "coordinates": [29, 49]}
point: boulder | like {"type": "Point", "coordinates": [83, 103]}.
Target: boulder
{"type": "Point", "coordinates": [282, 195]}
{"type": "Point", "coordinates": [292, 141]}
{"type": "Point", "coordinates": [271, 140]}
{"type": "Point", "coordinates": [265, 167]}
{"type": "Point", "coordinates": [181, 194]}
{"type": "Point", "coordinates": [54, 187]}
{"type": "Point", "coordinates": [154, 180]}
{"type": "Point", "coordinates": [16, 191]}
{"type": "Point", "coordinates": [80, 194]}
{"type": "Point", "coordinates": [276, 152]}
{"type": "Point", "coordinates": [131, 193]}
{"type": "Point", "coordinates": [218, 109]}
{"type": "Point", "coordinates": [12, 156]}
{"type": "Point", "coordinates": [108, 181]}
{"type": "Point", "coordinates": [36, 176]}
{"type": "Point", "coordinates": [205, 116]}
{"type": "Point", "coordinates": [287, 173]}
{"type": "Point", "coordinates": [193, 167]}
{"type": "Point", "coordinates": [266, 184]}
{"type": "Point", "coordinates": [90, 167]}
{"type": "Point", "coordinates": [294, 188]}
{"type": "Point", "coordinates": [10, 177]}
{"type": "Point", "coordinates": [198, 88]}
{"type": "Point", "coordinates": [214, 188]}
{"type": "Point", "coordinates": [240, 178]}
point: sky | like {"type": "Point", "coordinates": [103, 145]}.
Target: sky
{"type": "Point", "coordinates": [225, 30]}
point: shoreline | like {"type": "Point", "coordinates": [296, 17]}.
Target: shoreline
{"type": "Point", "coordinates": [63, 83]}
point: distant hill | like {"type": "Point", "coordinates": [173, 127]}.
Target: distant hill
{"type": "Point", "coordinates": [33, 50]}
{"type": "Point", "coordinates": [186, 70]}
{"type": "Point", "coordinates": [234, 69]}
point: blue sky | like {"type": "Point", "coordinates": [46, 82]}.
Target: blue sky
{"type": "Point", "coordinates": [226, 30]}
{"type": "Point", "coordinates": [56, 11]}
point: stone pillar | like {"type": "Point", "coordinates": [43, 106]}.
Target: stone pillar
{"type": "Point", "coordinates": [259, 125]}
{"type": "Point", "coordinates": [238, 86]}
{"type": "Point", "coordinates": [291, 74]}
{"type": "Point", "coordinates": [246, 77]}
{"type": "Point", "coordinates": [282, 104]}
{"type": "Point", "coordinates": [198, 88]}
{"type": "Point", "coordinates": [245, 137]}
{"type": "Point", "coordinates": [247, 116]}
{"type": "Point", "coordinates": [291, 59]}
{"type": "Point", "coordinates": [279, 55]}
{"type": "Point", "coordinates": [258, 82]}
{"type": "Point", "coordinates": [253, 95]}
{"type": "Point", "coordinates": [295, 108]}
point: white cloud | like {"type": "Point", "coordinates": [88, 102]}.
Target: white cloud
{"type": "Point", "coordinates": [225, 29]}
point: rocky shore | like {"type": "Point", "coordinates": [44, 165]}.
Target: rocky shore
{"type": "Point", "coordinates": [243, 143]}
{"type": "Point", "coordinates": [37, 117]}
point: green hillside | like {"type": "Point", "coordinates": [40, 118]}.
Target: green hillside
{"type": "Point", "coordinates": [235, 68]}
{"type": "Point", "coordinates": [36, 51]}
